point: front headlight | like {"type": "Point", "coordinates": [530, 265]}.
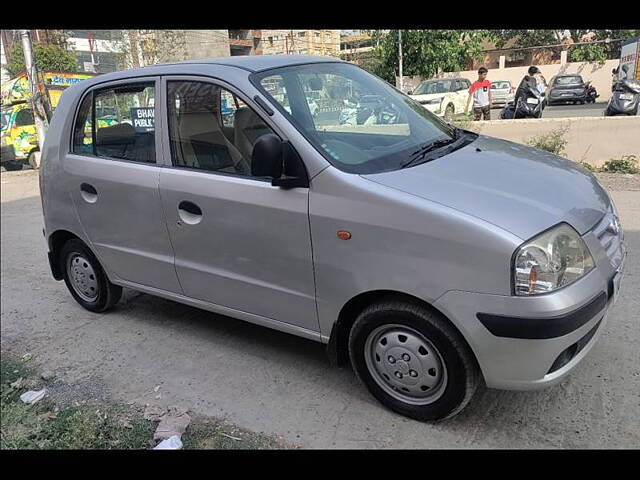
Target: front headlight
{"type": "Point", "coordinates": [553, 259]}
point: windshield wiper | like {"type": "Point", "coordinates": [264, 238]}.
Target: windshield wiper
{"type": "Point", "coordinates": [422, 151]}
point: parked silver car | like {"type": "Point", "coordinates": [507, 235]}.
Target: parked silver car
{"type": "Point", "coordinates": [431, 257]}
{"type": "Point", "coordinates": [502, 92]}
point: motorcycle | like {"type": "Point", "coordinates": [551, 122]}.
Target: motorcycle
{"type": "Point", "coordinates": [625, 98]}
{"type": "Point", "coordinates": [590, 93]}
{"type": "Point", "coordinates": [366, 112]}
{"type": "Point", "coordinates": [529, 107]}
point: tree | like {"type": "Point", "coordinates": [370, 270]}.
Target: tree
{"type": "Point", "coordinates": [424, 52]}
{"type": "Point", "coordinates": [593, 52]}
{"type": "Point", "coordinates": [137, 48]}
{"type": "Point", "coordinates": [525, 38]}
{"type": "Point", "coordinates": [47, 57]}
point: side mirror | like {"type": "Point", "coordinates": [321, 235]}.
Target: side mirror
{"type": "Point", "coordinates": [271, 157]}
{"type": "Point", "coordinates": [409, 92]}
{"type": "Point", "coordinates": [266, 158]}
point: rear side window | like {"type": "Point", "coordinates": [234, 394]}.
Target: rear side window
{"type": "Point", "coordinates": [118, 123]}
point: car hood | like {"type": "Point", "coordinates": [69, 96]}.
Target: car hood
{"type": "Point", "coordinates": [430, 96]}
{"type": "Point", "coordinates": [518, 188]}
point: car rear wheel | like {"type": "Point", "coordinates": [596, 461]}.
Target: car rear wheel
{"type": "Point", "coordinates": [412, 360]}
{"type": "Point", "coordinates": [86, 279]}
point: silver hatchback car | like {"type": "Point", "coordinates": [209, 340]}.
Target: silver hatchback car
{"type": "Point", "coordinates": [431, 258]}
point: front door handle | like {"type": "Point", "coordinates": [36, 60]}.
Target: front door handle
{"type": "Point", "coordinates": [88, 192]}
{"type": "Point", "coordinates": [189, 212]}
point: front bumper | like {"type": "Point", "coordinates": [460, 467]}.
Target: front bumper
{"type": "Point", "coordinates": [502, 100]}
{"type": "Point", "coordinates": [433, 108]}
{"type": "Point", "coordinates": [536, 341]}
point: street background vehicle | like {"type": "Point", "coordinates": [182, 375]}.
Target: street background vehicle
{"type": "Point", "coordinates": [566, 88]}
{"type": "Point", "coordinates": [502, 92]}
{"type": "Point", "coordinates": [18, 125]}
{"type": "Point", "coordinates": [446, 97]}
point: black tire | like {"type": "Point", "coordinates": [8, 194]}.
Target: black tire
{"type": "Point", "coordinates": [108, 294]}
{"type": "Point", "coordinates": [462, 371]}
{"type": "Point", "coordinates": [12, 166]}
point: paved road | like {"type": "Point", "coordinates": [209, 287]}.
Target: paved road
{"type": "Point", "coordinates": [277, 383]}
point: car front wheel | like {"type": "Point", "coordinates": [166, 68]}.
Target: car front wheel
{"type": "Point", "coordinates": [412, 360]}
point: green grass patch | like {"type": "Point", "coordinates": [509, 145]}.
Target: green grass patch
{"type": "Point", "coordinates": [207, 433]}
{"type": "Point", "coordinates": [624, 164]}
{"type": "Point", "coordinates": [45, 425]}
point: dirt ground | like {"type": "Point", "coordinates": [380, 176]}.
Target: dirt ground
{"type": "Point", "coordinates": [279, 384]}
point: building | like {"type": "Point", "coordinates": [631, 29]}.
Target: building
{"type": "Point", "coordinates": [95, 50]}
{"type": "Point", "coordinates": [355, 46]}
{"type": "Point", "coordinates": [245, 42]}
{"type": "Point", "coordinates": [301, 42]}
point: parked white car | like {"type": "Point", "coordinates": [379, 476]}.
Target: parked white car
{"type": "Point", "coordinates": [445, 97]}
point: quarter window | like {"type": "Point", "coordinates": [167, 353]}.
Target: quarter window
{"type": "Point", "coordinates": [82, 129]}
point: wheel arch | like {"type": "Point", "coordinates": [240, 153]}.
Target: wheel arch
{"type": "Point", "coordinates": [338, 345]}
{"type": "Point", "coordinates": [55, 242]}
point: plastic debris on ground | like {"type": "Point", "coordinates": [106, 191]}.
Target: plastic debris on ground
{"type": "Point", "coordinates": [32, 396]}
{"type": "Point", "coordinates": [171, 443]}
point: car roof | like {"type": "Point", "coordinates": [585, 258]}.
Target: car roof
{"type": "Point", "coordinates": [569, 75]}
{"type": "Point", "coordinates": [250, 63]}
{"type": "Point", "coordinates": [442, 79]}
{"type": "Point", "coordinates": [257, 63]}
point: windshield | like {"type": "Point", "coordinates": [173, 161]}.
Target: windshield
{"type": "Point", "coordinates": [500, 85]}
{"type": "Point", "coordinates": [6, 115]}
{"type": "Point", "coordinates": [360, 124]}
{"type": "Point", "coordinates": [428, 88]}
{"type": "Point", "coordinates": [568, 80]}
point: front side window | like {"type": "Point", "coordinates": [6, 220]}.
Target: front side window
{"type": "Point", "coordinates": [125, 122]}
{"type": "Point", "coordinates": [358, 122]}
{"type": "Point", "coordinates": [211, 129]}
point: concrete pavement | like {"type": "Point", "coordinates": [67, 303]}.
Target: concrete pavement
{"type": "Point", "coordinates": [277, 383]}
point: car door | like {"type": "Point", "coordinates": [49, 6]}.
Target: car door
{"type": "Point", "coordinates": [240, 242]}
{"type": "Point", "coordinates": [113, 180]}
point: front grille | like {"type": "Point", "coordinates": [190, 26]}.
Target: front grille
{"type": "Point", "coordinates": [610, 240]}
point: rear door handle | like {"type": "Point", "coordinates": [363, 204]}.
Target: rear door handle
{"type": "Point", "coordinates": [88, 192]}
{"type": "Point", "coordinates": [189, 212]}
